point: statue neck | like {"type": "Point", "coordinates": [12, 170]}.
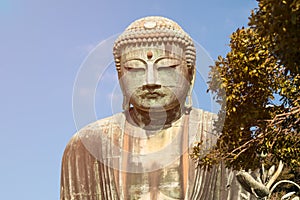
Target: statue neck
{"type": "Point", "coordinates": [154, 119]}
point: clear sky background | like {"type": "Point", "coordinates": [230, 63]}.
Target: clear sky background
{"type": "Point", "coordinates": [42, 46]}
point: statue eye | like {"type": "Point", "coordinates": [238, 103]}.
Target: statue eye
{"type": "Point", "coordinates": [134, 66]}
{"type": "Point", "coordinates": [167, 66]}
{"type": "Point", "coordinates": [167, 63]}
{"type": "Point", "coordinates": [135, 69]}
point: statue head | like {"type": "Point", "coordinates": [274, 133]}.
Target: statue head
{"type": "Point", "coordinates": [155, 60]}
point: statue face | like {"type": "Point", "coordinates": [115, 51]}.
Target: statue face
{"type": "Point", "coordinates": [154, 77]}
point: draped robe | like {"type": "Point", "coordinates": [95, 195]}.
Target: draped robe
{"type": "Point", "coordinates": [110, 160]}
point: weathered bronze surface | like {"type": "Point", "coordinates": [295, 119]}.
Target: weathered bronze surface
{"type": "Point", "coordinates": [143, 152]}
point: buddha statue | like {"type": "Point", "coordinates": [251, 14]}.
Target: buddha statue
{"type": "Point", "coordinates": [143, 152]}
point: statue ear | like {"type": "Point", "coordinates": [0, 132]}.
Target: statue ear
{"type": "Point", "coordinates": [125, 104]}
{"type": "Point", "coordinates": [193, 75]}
{"type": "Point", "coordinates": [189, 101]}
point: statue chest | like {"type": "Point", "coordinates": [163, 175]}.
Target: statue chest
{"type": "Point", "coordinates": [155, 166]}
{"type": "Point", "coordinates": [159, 184]}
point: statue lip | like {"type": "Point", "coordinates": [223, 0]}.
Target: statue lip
{"type": "Point", "coordinates": [152, 95]}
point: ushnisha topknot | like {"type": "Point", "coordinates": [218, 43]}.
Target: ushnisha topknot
{"type": "Point", "coordinates": [154, 30]}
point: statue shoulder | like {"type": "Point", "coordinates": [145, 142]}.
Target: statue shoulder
{"type": "Point", "coordinates": [114, 120]}
{"type": "Point", "coordinates": [203, 124]}
{"type": "Point", "coordinates": [102, 125]}
{"type": "Point", "coordinates": [95, 136]}
{"type": "Point", "coordinates": [94, 129]}
{"type": "Point", "coordinates": [206, 119]}
{"type": "Point", "coordinates": [199, 114]}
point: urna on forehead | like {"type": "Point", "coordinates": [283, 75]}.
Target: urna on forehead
{"type": "Point", "coordinates": [154, 31]}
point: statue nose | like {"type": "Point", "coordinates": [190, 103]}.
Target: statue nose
{"type": "Point", "coordinates": [151, 75]}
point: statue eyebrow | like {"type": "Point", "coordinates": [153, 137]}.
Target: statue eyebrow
{"type": "Point", "coordinates": [165, 57]}
{"type": "Point", "coordinates": [139, 59]}
{"type": "Point", "coordinates": [155, 62]}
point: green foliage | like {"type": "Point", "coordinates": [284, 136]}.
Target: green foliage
{"type": "Point", "coordinates": [262, 64]}
{"type": "Point", "coordinates": [279, 20]}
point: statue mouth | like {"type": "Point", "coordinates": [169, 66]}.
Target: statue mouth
{"type": "Point", "coordinates": [151, 95]}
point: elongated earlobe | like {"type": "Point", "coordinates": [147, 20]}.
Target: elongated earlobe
{"type": "Point", "coordinates": [125, 105]}
{"type": "Point", "coordinates": [188, 102]}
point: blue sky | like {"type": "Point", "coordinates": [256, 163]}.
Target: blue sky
{"type": "Point", "coordinates": [42, 46]}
